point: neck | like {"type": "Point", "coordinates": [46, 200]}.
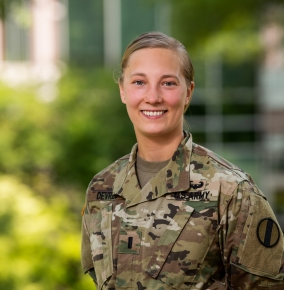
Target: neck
{"type": "Point", "coordinates": [158, 148]}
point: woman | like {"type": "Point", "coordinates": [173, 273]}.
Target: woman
{"type": "Point", "coordinates": [172, 214]}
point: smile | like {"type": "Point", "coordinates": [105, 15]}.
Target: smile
{"type": "Point", "coordinates": [153, 113]}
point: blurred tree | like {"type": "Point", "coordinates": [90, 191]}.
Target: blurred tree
{"type": "Point", "coordinates": [49, 151]}
{"type": "Point", "coordinates": [5, 6]}
{"type": "Point", "coordinates": [68, 140]}
{"type": "Point", "coordinates": [40, 241]}
{"type": "Point", "coordinates": [210, 28]}
{"type": "Point", "coordinates": [26, 123]}
{"type": "Point", "coordinates": [92, 127]}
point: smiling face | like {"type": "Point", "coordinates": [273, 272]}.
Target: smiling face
{"type": "Point", "coordinates": [155, 92]}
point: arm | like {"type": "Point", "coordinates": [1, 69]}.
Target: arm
{"type": "Point", "coordinates": [86, 255]}
{"type": "Point", "coordinates": [252, 241]}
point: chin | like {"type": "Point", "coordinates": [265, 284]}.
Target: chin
{"type": "Point", "coordinates": [154, 132]}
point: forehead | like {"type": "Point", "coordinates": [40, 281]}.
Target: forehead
{"type": "Point", "coordinates": [154, 57]}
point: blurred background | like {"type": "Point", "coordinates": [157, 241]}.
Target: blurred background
{"type": "Point", "coordinates": [61, 120]}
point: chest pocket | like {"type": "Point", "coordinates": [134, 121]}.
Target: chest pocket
{"type": "Point", "coordinates": [101, 240]}
{"type": "Point", "coordinates": [182, 248]}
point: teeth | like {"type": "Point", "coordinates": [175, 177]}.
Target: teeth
{"type": "Point", "coordinates": [152, 114]}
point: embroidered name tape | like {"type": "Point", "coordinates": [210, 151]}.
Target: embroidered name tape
{"type": "Point", "coordinates": [105, 195]}
{"type": "Point", "coordinates": [194, 196]}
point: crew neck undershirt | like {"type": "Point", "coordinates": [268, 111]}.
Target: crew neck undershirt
{"type": "Point", "coordinates": [146, 170]}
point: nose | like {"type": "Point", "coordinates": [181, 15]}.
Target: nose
{"type": "Point", "coordinates": [153, 95]}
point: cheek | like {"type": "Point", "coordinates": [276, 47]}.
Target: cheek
{"type": "Point", "coordinates": [133, 97]}
{"type": "Point", "coordinates": [176, 100]}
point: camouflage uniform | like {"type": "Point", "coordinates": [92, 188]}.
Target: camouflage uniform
{"type": "Point", "coordinates": [200, 223]}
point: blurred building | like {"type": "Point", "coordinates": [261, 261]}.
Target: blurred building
{"type": "Point", "coordinates": [271, 101]}
{"type": "Point", "coordinates": [244, 120]}
{"type": "Point", "coordinates": [236, 111]}
{"type": "Point", "coordinates": [39, 37]}
{"type": "Point", "coordinates": [31, 42]}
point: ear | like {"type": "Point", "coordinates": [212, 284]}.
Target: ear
{"type": "Point", "coordinates": [121, 90]}
{"type": "Point", "coordinates": [190, 90]}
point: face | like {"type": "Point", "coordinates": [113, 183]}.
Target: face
{"type": "Point", "coordinates": [155, 92]}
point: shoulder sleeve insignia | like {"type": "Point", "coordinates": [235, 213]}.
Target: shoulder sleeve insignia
{"type": "Point", "coordinates": [268, 232]}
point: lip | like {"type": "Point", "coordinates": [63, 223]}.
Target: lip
{"type": "Point", "coordinates": [153, 114]}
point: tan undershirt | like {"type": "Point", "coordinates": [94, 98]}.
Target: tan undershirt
{"type": "Point", "coordinates": [146, 170]}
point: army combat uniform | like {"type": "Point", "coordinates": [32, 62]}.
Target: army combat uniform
{"type": "Point", "coordinates": [199, 223]}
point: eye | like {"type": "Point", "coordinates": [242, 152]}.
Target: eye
{"type": "Point", "coordinates": [169, 84]}
{"type": "Point", "coordinates": [138, 83]}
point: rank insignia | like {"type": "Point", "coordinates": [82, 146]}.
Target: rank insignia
{"type": "Point", "coordinates": [268, 232]}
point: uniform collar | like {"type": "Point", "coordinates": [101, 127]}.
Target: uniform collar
{"type": "Point", "coordinates": [174, 177]}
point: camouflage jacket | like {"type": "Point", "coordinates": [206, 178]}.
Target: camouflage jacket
{"type": "Point", "coordinates": [200, 223]}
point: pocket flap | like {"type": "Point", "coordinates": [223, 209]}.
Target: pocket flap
{"type": "Point", "coordinates": [101, 243]}
{"type": "Point", "coordinates": [168, 239]}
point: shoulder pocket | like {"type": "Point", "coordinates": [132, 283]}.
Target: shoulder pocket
{"type": "Point", "coordinates": [261, 249]}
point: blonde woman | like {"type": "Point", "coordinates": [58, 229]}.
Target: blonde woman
{"type": "Point", "coordinates": [172, 214]}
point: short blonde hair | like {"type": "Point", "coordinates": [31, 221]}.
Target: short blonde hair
{"type": "Point", "coordinates": [159, 40]}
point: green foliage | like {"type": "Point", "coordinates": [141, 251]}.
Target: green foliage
{"type": "Point", "coordinates": [49, 151]}
{"type": "Point", "coordinates": [25, 123]}
{"type": "Point", "coordinates": [214, 28]}
{"type": "Point", "coordinates": [92, 125]}
{"type": "Point", "coordinates": [69, 140]}
{"type": "Point", "coordinates": [17, 9]}
{"type": "Point", "coordinates": [5, 5]}
{"type": "Point", "coordinates": [48, 154]}
{"type": "Point", "coordinates": [39, 240]}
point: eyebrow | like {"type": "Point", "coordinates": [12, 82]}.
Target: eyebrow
{"type": "Point", "coordinates": [163, 76]}
{"type": "Point", "coordinates": [138, 74]}
{"type": "Point", "coordinates": [170, 76]}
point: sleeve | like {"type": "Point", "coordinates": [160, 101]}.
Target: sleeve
{"type": "Point", "coordinates": [252, 241]}
{"type": "Point", "coordinates": [86, 255]}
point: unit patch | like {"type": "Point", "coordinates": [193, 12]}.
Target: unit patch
{"type": "Point", "coordinates": [268, 232]}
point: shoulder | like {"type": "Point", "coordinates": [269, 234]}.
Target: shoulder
{"type": "Point", "coordinates": [216, 167]}
{"type": "Point", "coordinates": [248, 224]}
{"type": "Point", "coordinates": [107, 175]}
{"type": "Point", "coordinates": [232, 182]}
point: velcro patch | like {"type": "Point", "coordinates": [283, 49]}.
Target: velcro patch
{"type": "Point", "coordinates": [268, 232]}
